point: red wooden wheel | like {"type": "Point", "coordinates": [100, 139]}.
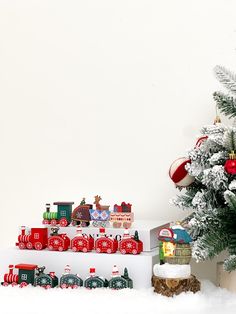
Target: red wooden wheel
{"type": "Point", "coordinates": [45, 222]}
{"type": "Point", "coordinates": [127, 225]}
{"type": "Point", "coordinates": [23, 284]}
{"type": "Point", "coordinates": [73, 223]}
{"type": "Point", "coordinates": [53, 222]}
{"type": "Point", "coordinates": [47, 287]}
{"type": "Point", "coordinates": [74, 249]}
{"type": "Point", "coordinates": [29, 245]}
{"type": "Point", "coordinates": [21, 245]}
{"type": "Point", "coordinates": [98, 250]}
{"type": "Point", "coordinates": [85, 250]}
{"type": "Point", "coordinates": [60, 248]}
{"type": "Point", "coordinates": [63, 222]}
{"type": "Point", "coordinates": [123, 251]}
{"type": "Point", "coordinates": [134, 251]}
{"type": "Point", "coordinates": [64, 286]}
{"type": "Point", "coordinates": [74, 287]}
{"type": "Point", "coordinates": [109, 251]}
{"type": "Point", "coordinates": [14, 284]}
{"type": "Point", "coordinates": [38, 246]}
{"type": "Point", "coordinates": [5, 284]}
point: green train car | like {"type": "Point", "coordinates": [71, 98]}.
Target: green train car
{"type": "Point", "coordinates": [62, 216]}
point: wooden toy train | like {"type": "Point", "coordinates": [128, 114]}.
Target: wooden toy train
{"type": "Point", "coordinates": [38, 239]}
{"type": "Point", "coordinates": [30, 274]}
{"type": "Point", "coordinates": [82, 215]}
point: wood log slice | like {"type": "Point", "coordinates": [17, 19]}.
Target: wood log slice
{"type": "Point", "coordinates": [169, 287]}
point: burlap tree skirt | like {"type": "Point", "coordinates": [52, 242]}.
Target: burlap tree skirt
{"type": "Point", "coordinates": [170, 287]}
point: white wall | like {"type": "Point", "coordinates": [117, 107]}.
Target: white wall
{"type": "Point", "coordinates": [99, 97]}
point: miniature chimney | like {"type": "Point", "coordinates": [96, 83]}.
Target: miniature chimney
{"type": "Point", "coordinates": [22, 230]}
{"type": "Point", "coordinates": [92, 272]}
{"type": "Point", "coordinates": [67, 269]}
{"type": "Point", "coordinates": [47, 207]}
{"type": "Point", "coordinates": [11, 269]}
{"type": "Point", "coordinates": [115, 271]}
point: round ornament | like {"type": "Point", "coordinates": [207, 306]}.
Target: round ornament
{"type": "Point", "coordinates": [230, 164]}
{"type": "Point", "coordinates": [178, 174]}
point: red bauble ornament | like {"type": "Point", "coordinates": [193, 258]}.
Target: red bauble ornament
{"type": "Point", "coordinates": [230, 164]}
{"type": "Point", "coordinates": [178, 174]}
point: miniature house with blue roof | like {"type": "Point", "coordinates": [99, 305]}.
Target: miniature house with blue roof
{"type": "Point", "coordinates": [174, 245]}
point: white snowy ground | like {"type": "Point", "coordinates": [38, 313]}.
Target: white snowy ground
{"type": "Point", "coordinates": [37, 300]}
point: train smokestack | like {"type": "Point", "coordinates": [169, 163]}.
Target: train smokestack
{"type": "Point", "coordinates": [48, 208]}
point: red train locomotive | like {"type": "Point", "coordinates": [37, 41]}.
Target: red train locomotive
{"type": "Point", "coordinates": [36, 238]}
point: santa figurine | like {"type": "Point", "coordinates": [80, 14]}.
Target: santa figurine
{"type": "Point", "coordinates": [79, 232]}
{"type": "Point", "coordinates": [115, 272]}
{"type": "Point", "coordinates": [67, 270]}
{"type": "Point", "coordinates": [126, 234]}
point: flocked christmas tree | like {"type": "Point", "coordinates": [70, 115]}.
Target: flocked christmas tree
{"type": "Point", "coordinates": [212, 195]}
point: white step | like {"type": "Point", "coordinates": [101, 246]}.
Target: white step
{"type": "Point", "coordinates": [147, 230]}
{"type": "Point", "coordinates": [139, 266]}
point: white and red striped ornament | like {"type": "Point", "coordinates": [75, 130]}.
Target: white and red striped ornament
{"type": "Point", "coordinates": [178, 174]}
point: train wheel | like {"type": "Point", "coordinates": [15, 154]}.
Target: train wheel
{"type": "Point", "coordinates": [95, 224]}
{"type": "Point", "coordinates": [14, 284]}
{"type": "Point", "coordinates": [134, 251]}
{"type": "Point", "coordinates": [103, 224]}
{"type": "Point", "coordinates": [45, 222]}
{"type": "Point", "coordinates": [64, 286]}
{"type": "Point", "coordinates": [53, 222]}
{"type": "Point", "coordinates": [5, 284]}
{"type": "Point", "coordinates": [23, 285]}
{"type": "Point", "coordinates": [123, 251]}
{"type": "Point", "coordinates": [109, 251]}
{"type": "Point", "coordinates": [50, 247]}
{"type": "Point", "coordinates": [21, 245]}
{"type": "Point", "coordinates": [85, 250]}
{"type": "Point", "coordinates": [47, 287]}
{"type": "Point", "coordinates": [74, 287]}
{"type": "Point", "coordinates": [60, 248]}
{"type": "Point", "coordinates": [74, 223]}
{"type": "Point", "coordinates": [98, 250]}
{"type": "Point", "coordinates": [38, 246]}
{"type": "Point", "coordinates": [83, 224]}
{"type": "Point", "coordinates": [127, 225]}
{"type": "Point", "coordinates": [63, 222]}
{"type": "Point", "coordinates": [74, 249]}
{"type": "Point", "coordinates": [29, 245]}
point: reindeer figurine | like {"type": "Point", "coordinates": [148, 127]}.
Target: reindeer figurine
{"type": "Point", "coordinates": [98, 205]}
